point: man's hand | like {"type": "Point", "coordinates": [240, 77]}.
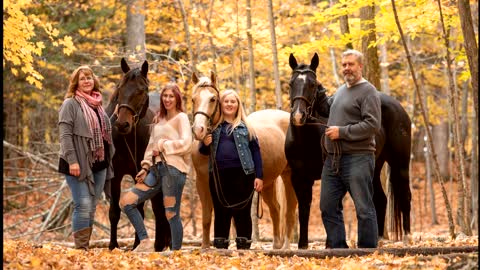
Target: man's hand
{"type": "Point", "coordinates": [333, 132]}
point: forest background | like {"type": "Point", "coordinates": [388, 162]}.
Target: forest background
{"type": "Point", "coordinates": [423, 53]}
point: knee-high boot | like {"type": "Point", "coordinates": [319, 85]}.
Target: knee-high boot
{"type": "Point", "coordinates": [82, 238]}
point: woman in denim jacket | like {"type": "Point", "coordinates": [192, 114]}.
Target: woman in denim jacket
{"type": "Point", "coordinates": [170, 146]}
{"type": "Point", "coordinates": [235, 171]}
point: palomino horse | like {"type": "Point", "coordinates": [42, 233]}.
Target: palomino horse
{"type": "Point", "coordinates": [270, 127]}
{"type": "Point", "coordinates": [131, 133]}
{"type": "Point", "coordinates": [304, 151]}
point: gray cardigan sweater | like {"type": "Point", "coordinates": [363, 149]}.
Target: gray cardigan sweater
{"type": "Point", "coordinates": [74, 137]}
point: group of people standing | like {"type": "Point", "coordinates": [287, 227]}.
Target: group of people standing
{"type": "Point", "coordinates": [235, 166]}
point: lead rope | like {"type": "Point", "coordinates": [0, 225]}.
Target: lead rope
{"type": "Point", "coordinates": [135, 148]}
{"type": "Point", "coordinates": [337, 154]}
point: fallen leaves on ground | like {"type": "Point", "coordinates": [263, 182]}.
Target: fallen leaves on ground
{"type": "Point", "coordinates": [29, 255]}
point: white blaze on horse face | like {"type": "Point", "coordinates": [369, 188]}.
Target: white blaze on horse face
{"type": "Point", "coordinates": [200, 122]}
{"type": "Point", "coordinates": [297, 114]}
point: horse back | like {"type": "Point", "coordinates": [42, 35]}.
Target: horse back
{"type": "Point", "coordinates": [396, 127]}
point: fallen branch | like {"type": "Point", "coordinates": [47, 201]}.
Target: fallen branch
{"type": "Point", "coordinates": [40, 160]}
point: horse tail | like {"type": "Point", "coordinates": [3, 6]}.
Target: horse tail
{"type": "Point", "coordinates": [400, 196]}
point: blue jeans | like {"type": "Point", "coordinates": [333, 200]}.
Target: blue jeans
{"type": "Point", "coordinates": [170, 186]}
{"type": "Point", "coordinates": [355, 176]}
{"type": "Point", "coordinates": [85, 204]}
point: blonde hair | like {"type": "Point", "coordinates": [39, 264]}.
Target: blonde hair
{"type": "Point", "coordinates": [74, 78]}
{"type": "Point", "coordinates": [240, 116]}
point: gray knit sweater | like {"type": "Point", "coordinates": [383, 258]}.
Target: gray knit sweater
{"type": "Point", "coordinates": [357, 111]}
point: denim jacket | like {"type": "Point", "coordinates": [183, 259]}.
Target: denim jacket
{"type": "Point", "coordinates": [241, 137]}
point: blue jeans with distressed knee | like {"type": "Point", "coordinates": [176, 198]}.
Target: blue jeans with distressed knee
{"type": "Point", "coordinates": [355, 176]}
{"type": "Point", "coordinates": [170, 184]}
{"type": "Point", "coordinates": [84, 203]}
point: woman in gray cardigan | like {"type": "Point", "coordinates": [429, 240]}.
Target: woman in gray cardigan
{"type": "Point", "coordinates": [86, 149]}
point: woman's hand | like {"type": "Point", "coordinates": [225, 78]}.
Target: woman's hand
{"type": "Point", "coordinates": [160, 144]}
{"type": "Point", "coordinates": [207, 140]}
{"type": "Point", "coordinates": [74, 169]}
{"type": "Point", "coordinates": [258, 184]}
{"type": "Point", "coordinates": [141, 175]}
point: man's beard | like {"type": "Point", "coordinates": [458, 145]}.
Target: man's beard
{"type": "Point", "coordinates": [349, 78]}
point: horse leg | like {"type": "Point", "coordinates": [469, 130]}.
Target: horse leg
{"type": "Point", "coordinates": [303, 191]}
{"type": "Point", "coordinates": [379, 197]}
{"type": "Point", "coordinates": [114, 211]}
{"type": "Point", "coordinates": [270, 198]}
{"type": "Point", "coordinates": [163, 237]}
{"type": "Point", "coordinates": [290, 205]}
{"type": "Point", "coordinates": [203, 190]}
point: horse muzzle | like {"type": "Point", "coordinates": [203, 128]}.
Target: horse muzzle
{"type": "Point", "coordinates": [297, 118]}
{"type": "Point", "coordinates": [123, 127]}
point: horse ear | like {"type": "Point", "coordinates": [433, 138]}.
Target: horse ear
{"type": "Point", "coordinates": [213, 78]}
{"type": "Point", "coordinates": [194, 78]}
{"type": "Point", "coordinates": [145, 68]}
{"type": "Point", "coordinates": [292, 61]}
{"type": "Point", "coordinates": [124, 65]}
{"type": "Point", "coordinates": [314, 62]}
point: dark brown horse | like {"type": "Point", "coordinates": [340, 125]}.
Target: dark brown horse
{"type": "Point", "coordinates": [309, 112]}
{"type": "Point", "coordinates": [131, 132]}
{"type": "Point", "coordinates": [270, 127]}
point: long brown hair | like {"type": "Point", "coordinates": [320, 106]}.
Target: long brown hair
{"type": "Point", "coordinates": [162, 112]}
{"type": "Point", "coordinates": [74, 78]}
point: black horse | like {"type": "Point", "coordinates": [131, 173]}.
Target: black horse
{"type": "Point", "coordinates": [309, 112]}
{"type": "Point", "coordinates": [131, 132]}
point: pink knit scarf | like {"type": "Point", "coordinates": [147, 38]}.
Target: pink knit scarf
{"type": "Point", "coordinates": [100, 130]}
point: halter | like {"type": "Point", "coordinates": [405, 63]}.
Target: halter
{"type": "Point", "coordinates": [136, 116]}
{"type": "Point", "coordinates": [217, 105]}
{"type": "Point", "coordinates": [309, 110]}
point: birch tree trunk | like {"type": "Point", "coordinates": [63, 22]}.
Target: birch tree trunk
{"type": "Point", "coordinates": [273, 40]}
{"type": "Point", "coordinates": [253, 92]}
{"type": "Point", "coordinates": [136, 29]}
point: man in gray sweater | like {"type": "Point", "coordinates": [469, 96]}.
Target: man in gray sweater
{"type": "Point", "coordinates": [355, 117]}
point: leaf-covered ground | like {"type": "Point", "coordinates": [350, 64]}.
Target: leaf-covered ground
{"type": "Point", "coordinates": [29, 255]}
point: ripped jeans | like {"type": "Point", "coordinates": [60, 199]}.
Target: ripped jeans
{"type": "Point", "coordinates": [172, 188]}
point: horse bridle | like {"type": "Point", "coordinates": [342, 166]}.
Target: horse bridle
{"type": "Point", "coordinates": [136, 116]}
{"type": "Point", "coordinates": [309, 103]}
{"type": "Point", "coordinates": [217, 105]}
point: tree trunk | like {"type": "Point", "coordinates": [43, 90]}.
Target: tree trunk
{"type": "Point", "coordinates": [426, 122]}
{"type": "Point", "coordinates": [384, 69]}
{"type": "Point", "coordinates": [276, 74]}
{"type": "Point", "coordinates": [136, 29]}
{"type": "Point", "coordinates": [441, 140]}
{"type": "Point", "coordinates": [251, 61]}
{"type": "Point", "coordinates": [193, 63]}
{"type": "Point", "coordinates": [453, 99]}
{"type": "Point", "coordinates": [371, 66]}
{"type": "Point", "coordinates": [470, 42]}
{"type": "Point", "coordinates": [474, 177]}
{"type": "Point", "coordinates": [210, 39]}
